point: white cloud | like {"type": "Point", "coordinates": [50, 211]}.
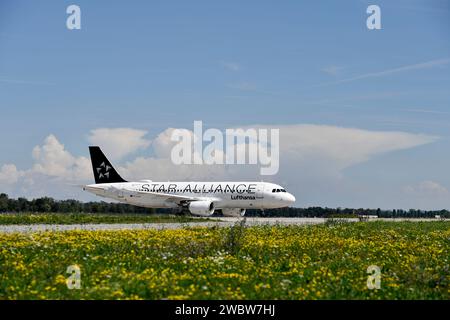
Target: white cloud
{"type": "Point", "coordinates": [9, 174]}
{"type": "Point", "coordinates": [304, 149]}
{"type": "Point", "coordinates": [161, 167]}
{"type": "Point", "coordinates": [426, 189]}
{"type": "Point", "coordinates": [406, 68]}
{"type": "Point", "coordinates": [55, 172]}
{"type": "Point", "coordinates": [312, 162]}
{"type": "Point", "coordinates": [53, 160]}
{"type": "Point", "coordinates": [50, 160]}
{"type": "Point", "coordinates": [158, 169]}
{"type": "Point", "coordinates": [162, 144]}
{"type": "Point", "coordinates": [340, 147]}
{"type": "Point", "coordinates": [119, 142]}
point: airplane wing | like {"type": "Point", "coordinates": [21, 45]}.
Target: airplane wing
{"type": "Point", "coordinates": [168, 196]}
{"type": "Point", "coordinates": [179, 200]}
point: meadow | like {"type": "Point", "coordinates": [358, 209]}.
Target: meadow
{"type": "Point", "coordinates": [327, 261]}
{"type": "Point", "coordinates": [83, 218]}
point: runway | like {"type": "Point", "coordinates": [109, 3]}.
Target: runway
{"type": "Point", "coordinates": [215, 222]}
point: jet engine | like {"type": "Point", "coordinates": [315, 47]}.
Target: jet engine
{"type": "Point", "coordinates": [233, 212]}
{"type": "Point", "coordinates": [201, 208]}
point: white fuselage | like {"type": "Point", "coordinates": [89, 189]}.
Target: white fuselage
{"type": "Point", "coordinates": [243, 195]}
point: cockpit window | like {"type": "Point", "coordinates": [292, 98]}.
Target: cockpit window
{"type": "Point", "coordinates": [273, 190]}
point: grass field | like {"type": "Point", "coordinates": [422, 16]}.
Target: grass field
{"type": "Point", "coordinates": [327, 261]}
{"type": "Point", "coordinates": [77, 218]}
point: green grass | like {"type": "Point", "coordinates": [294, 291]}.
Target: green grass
{"type": "Point", "coordinates": [84, 218]}
{"type": "Point", "coordinates": [266, 262]}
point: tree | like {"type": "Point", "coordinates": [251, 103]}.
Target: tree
{"type": "Point", "coordinates": [43, 204]}
{"type": "Point", "coordinates": [3, 202]}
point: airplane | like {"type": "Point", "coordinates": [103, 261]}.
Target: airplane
{"type": "Point", "coordinates": [199, 198]}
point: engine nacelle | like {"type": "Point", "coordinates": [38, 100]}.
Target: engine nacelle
{"type": "Point", "coordinates": [233, 212]}
{"type": "Point", "coordinates": [201, 208]}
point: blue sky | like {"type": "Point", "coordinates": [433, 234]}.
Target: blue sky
{"type": "Point", "coordinates": [153, 65]}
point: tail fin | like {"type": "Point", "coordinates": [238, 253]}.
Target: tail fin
{"type": "Point", "coordinates": [103, 170]}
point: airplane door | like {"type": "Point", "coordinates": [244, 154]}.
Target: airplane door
{"type": "Point", "coordinates": [120, 194]}
{"type": "Point", "coordinates": [260, 191]}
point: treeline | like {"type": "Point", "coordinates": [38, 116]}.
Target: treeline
{"type": "Point", "coordinates": [320, 212]}
{"type": "Point", "coordinates": [47, 205]}
{"type": "Point", "coordinates": [50, 205]}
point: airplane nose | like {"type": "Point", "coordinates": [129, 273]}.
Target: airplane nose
{"type": "Point", "coordinates": [290, 198]}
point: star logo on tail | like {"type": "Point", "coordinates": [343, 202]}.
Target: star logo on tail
{"type": "Point", "coordinates": [103, 171]}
